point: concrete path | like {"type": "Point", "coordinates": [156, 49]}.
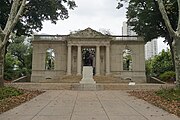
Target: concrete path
{"type": "Point", "coordinates": [86, 105]}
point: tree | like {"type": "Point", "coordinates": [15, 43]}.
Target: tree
{"type": "Point", "coordinates": [141, 14]}
{"type": "Point", "coordinates": [146, 19]}
{"type": "Point", "coordinates": [9, 70]}
{"type": "Point", "coordinates": [21, 50]}
{"type": "Point", "coordinates": [18, 59]}
{"type": "Point", "coordinates": [174, 33]}
{"type": "Point", "coordinates": [24, 16]}
{"type": "Point", "coordinates": [159, 64]}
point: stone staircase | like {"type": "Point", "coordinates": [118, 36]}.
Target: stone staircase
{"type": "Point", "coordinates": [98, 86]}
{"type": "Point", "coordinates": [98, 79]}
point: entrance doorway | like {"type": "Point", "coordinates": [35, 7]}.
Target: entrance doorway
{"type": "Point", "coordinates": [88, 57]}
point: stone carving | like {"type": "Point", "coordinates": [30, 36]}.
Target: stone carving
{"type": "Point", "coordinates": [87, 33]}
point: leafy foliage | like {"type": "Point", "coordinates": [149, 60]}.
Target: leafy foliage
{"type": "Point", "coordinates": [145, 17]}
{"type": "Point", "coordinates": [162, 63]}
{"type": "Point", "coordinates": [18, 60]}
{"type": "Point", "coordinates": [170, 94]}
{"type": "Point", "coordinates": [168, 76]}
{"type": "Point", "coordinates": [127, 60]}
{"type": "Point", "coordinates": [35, 13]}
{"type": "Point", "coordinates": [10, 62]}
{"type": "Point", "coordinates": [50, 59]}
{"type": "Point", "coordinates": [159, 64]}
{"type": "Point", "coordinates": [6, 92]}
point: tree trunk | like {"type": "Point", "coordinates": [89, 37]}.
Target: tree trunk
{"type": "Point", "coordinates": [2, 68]}
{"type": "Point", "coordinates": [177, 59]}
{"type": "Point", "coordinates": [170, 40]}
{"type": "Point", "coordinates": [1, 62]}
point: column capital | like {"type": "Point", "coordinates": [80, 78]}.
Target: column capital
{"type": "Point", "coordinates": [69, 45]}
{"type": "Point", "coordinates": [78, 45]}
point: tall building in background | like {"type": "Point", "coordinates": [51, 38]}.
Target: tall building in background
{"type": "Point", "coordinates": [126, 30]}
{"type": "Point", "coordinates": [150, 47]}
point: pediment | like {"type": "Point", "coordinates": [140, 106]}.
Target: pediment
{"type": "Point", "coordinates": [87, 33]}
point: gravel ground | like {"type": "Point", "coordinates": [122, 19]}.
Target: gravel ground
{"type": "Point", "coordinates": [9, 103]}
{"type": "Point", "coordinates": [150, 96]}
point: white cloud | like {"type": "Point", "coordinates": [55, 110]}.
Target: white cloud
{"type": "Point", "coordinates": [96, 14]}
{"type": "Point", "coordinates": [162, 45]}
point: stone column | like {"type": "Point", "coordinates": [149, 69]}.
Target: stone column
{"type": "Point", "coordinates": [79, 60]}
{"type": "Point", "coordinates": [69, 60]}
{"type": "Point", "coordinates": [107, 60]}
{"type": "Point", "coordinates": [97, 60]}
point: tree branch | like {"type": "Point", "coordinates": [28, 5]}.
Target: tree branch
{"type": "Point", "coordinates": [12, 15]}
{"type": "Point", "coordinates": [18, 15]}
{"type": "Point", "coordinates": [13, 23]}
{"type": "Point", "coordinates": [166, 19]}
{"type": "Point", "coordinates": [178, 28]}
{"type": "Point", "coordinates": [1, 31]}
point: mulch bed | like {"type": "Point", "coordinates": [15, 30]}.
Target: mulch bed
{"type": "Point", "coordinates": [9, 103]}
{"type": "Point", "coordinates": [150, 96]}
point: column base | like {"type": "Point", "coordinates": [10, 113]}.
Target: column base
{"type": "Point", "coordinates": [107, 74]}
{"type": "Point", "coordinates": [97, 74]}
{"type": "Point", "coordinates": [78, 74]}
{"type": "Point", "coordinates": [68, 74]}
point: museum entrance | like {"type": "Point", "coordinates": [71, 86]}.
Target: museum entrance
{"type": "Point", "coordinates": [88, 57]}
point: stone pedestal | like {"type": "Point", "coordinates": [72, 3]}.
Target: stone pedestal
{"type": "Point", "coordinates": [87, 75]}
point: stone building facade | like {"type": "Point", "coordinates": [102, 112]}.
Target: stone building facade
{"type": "Point", "coordinates": [68, 56]}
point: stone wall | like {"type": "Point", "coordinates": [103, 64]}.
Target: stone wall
{"type": "Point", "coordinates": [106, 46]}
{"type": "Point", "coordinates": [39, 74]}
{"type": "Point", "coordinates": [138, 65]}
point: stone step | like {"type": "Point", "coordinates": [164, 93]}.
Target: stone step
{"type": "Point", "coordinates": [98, 86]}
{"type": "Point", "coordinates": [98, 79]}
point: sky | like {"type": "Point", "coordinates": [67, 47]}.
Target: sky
{"type": "Point", "coordinates": [96, 14]}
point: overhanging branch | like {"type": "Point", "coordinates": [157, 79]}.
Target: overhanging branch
{"type": "Point", "coordinates": [12, 15]}
{"type": "Point", "coordinates": [1, 31]}
{"type": "Point", "coordinates": [13, 23]}
{"type": "Point", "coordinates": [18, 15]}
{"type": "Point", "coordinates": [178, 28]}
{"type": "Point", "coordinates": [165, 17]}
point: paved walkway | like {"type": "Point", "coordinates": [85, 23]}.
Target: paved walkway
{"type": "Point", "coordinates": [86, 105]}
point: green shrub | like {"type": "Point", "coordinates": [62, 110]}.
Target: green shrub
{"type": "Point", "coordinates": [169, 94]}
{"type": "Point", "coordinates": [168, 76]}
{"type": "Point", "coordinates": [6, 92]}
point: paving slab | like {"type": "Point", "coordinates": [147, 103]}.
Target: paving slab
{"type": "Point", "coordinates": [86, 105]}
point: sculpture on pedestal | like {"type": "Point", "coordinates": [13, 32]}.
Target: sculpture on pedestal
{"type": "Point", "coordinates": [88, 61]}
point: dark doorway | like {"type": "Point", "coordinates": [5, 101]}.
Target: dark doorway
{"type": "Point", "coordinates": [88, 57]}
